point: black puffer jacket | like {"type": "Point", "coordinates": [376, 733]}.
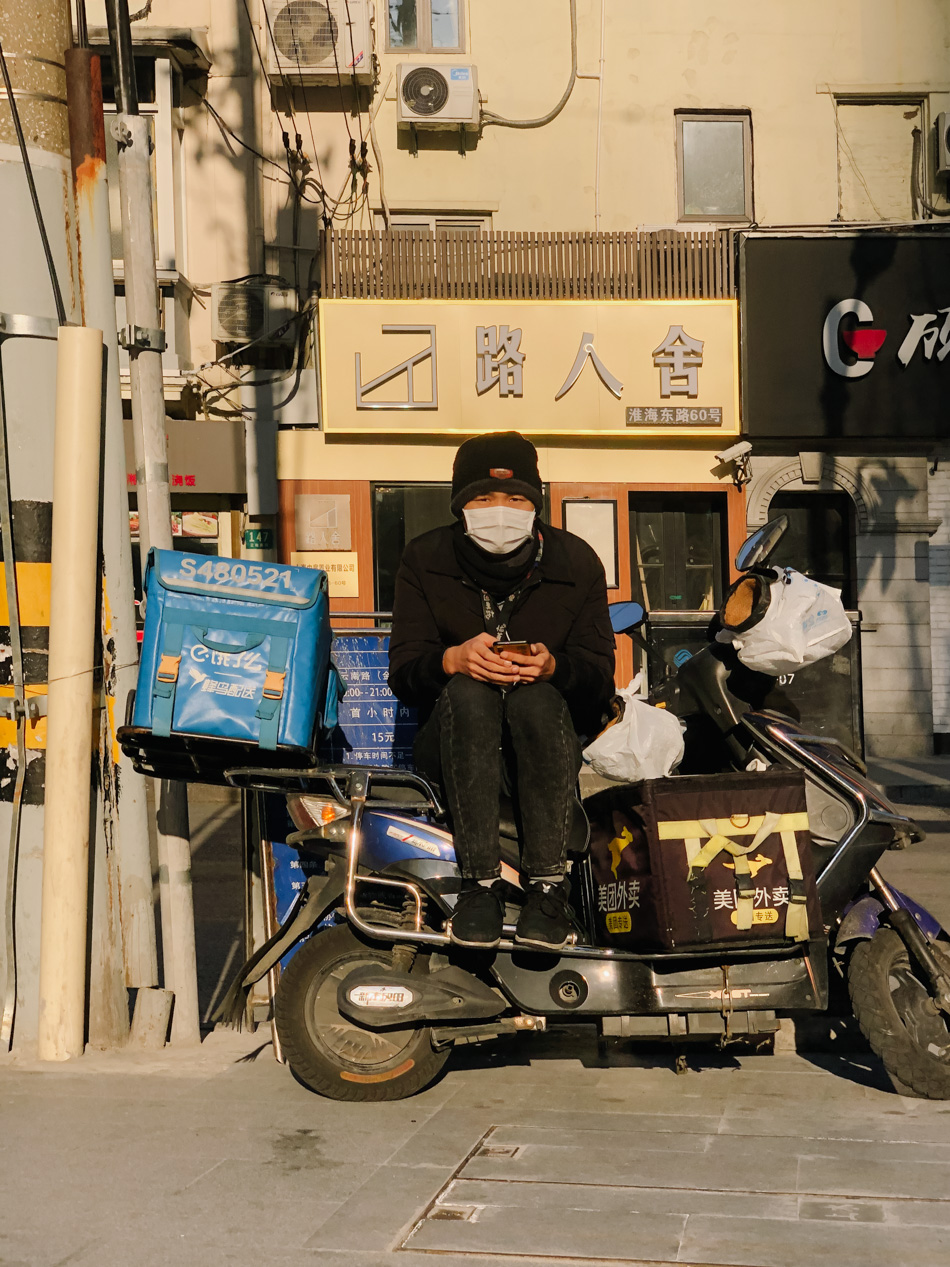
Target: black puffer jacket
{"type": "Point", "coordinates": [563, 605]}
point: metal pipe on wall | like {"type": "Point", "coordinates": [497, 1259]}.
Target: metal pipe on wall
{"type": "Point", "coordinates": [125, 813]}
{"type": "Point", "coordinates": [69, 746]}
{"type": "Point", "coordinates": [146, 341]}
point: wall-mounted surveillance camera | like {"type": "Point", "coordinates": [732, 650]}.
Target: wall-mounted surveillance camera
{"type": "Point", "coordinates": [736, 453]}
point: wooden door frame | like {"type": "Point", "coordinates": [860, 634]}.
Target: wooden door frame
{"type": "Point", "coordinates": [735, 534]}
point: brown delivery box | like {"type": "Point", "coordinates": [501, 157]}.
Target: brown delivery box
{"type": "Point", "coordinates": [704, 859]}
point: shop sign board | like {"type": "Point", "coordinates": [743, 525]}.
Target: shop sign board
{"type": "Point", "coordinates": [846, 336]}
{"type": "Point", "coordinates": [341, 566]}
{"type": "Point", "coordinates": [549, 367]}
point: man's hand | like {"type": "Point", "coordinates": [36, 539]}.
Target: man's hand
{"type": "Point", "coordinates": [476, 659]}
{"type": "Point", "coordinates": [536, 667]}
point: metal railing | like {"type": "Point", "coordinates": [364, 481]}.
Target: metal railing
{"type": "Point", "coordinates": [509, 264]}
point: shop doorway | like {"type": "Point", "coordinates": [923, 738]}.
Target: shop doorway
{"type": "Point", "coordinates": [821, 538]}
{"type": "Point", "coordinates": [677, 551]}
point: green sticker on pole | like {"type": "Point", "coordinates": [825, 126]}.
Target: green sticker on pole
{"type": "Point", "coordinates": [259, 538]}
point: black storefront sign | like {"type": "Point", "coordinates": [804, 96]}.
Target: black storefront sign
{"type": "Point", "coordinates": [846, 337]}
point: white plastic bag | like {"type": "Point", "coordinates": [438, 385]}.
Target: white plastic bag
{"type": "Point", "coordinates": [646, 743]}
{"type": "Point", "coordinates": [805, 622]}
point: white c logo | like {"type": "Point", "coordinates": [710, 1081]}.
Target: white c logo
{"type": "Point", "coordinates": [829, 338]}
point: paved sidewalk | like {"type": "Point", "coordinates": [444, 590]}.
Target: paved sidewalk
{"type": "Point", "coordinates": [535, 1150]}
{"type": "Point", "coordinates": [923, 780]}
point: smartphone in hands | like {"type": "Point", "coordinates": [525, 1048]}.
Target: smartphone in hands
{"type": "Point", "coordinates": [519, 648]}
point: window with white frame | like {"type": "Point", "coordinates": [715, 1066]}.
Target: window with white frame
{"type": "Point", "coordinates": [158, 82]}
{"type": "Point", "coordinates": [425, 26]}
{"type": "Point", "coordinates": [714, 165]}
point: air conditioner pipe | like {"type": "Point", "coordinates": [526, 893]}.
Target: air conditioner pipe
{"type": "Point", "coordinates": [487, 117]}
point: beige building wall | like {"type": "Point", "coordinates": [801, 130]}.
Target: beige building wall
{"type": "Point", "coordinates": [788, 64]}
{"type": "Point", "coordinates": [834, 89]}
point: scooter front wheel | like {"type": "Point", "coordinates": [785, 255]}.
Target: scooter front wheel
{"type": "Point", "coordinates": [328, 1052]}
{"type": "Point", "coordinates": [892, 1002]}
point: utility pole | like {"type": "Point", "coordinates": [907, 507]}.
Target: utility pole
{"type": "Point", "coordinates": [72, 639]}
{"type": "Point", "coordinates": [37, 293]}
{"type": "Point", "coordinates": [123, 949]}
{"type": "Point", "coordinates": [145, 342]}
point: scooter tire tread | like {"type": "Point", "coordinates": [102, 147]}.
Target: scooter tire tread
{"type": "Point", "coordinates": [310, 1066]}
{"type": "Point", "coordinates": [912, 1070]}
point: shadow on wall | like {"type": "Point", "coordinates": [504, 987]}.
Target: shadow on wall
{"type": "Point", "coordinates": [885, 499]}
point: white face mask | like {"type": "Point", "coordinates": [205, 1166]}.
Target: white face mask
{"type": "Point", "coordinates": [499, 529]}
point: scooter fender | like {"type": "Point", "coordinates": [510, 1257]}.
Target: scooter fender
{"type": "Point", "coordinates": [321, 894]}
{"type": "Point", "coordinates": [863, 918]}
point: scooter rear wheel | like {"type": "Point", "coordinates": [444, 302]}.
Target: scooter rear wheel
{"type": "Point", "coordinates": [892, 1002]}
{"type": "Point", "coordinates": [328, 1052]}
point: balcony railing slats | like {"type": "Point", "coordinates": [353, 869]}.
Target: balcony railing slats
{"type": "Point", "coordinates": [509, 264]}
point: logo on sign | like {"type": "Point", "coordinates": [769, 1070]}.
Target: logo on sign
{"type": "Point", "coordinates": [863, 340]}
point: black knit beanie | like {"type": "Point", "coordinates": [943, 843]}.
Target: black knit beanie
{"type": "Point", "coordinates": [502, 461]}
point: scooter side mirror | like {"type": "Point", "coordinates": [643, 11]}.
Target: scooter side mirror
{"type": "Point", "coordinates": [625, 616]}
{"type": "Point", "coordinates": [757, 549]}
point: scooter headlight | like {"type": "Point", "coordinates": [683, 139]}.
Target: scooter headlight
{"type": "Point", "coordinates": [311, 813]}
{"type": "Point", "coordinates": [746, 602]}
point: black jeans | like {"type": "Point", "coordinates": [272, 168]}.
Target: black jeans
{"type": "Point", "coordinates": [481, 740]}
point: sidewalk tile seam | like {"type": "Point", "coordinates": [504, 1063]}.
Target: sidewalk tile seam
{"type": "Point", "coordinates": [731, 1192]}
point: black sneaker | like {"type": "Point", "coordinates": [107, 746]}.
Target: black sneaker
{"type": "Point", "coordinates": [545, 919]}
{"type": "Point", "coordinates": [478, 916]}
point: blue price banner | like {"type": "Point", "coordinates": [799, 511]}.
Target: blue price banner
{"type": "Point", "coordinates": [374, 728]}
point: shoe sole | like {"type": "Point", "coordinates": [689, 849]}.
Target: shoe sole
{"type": "Point", "coordinates": [541, 945]}
{"type": "Point", "coordinates": [472, 945]}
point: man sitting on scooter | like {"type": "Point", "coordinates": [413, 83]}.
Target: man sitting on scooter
{"type": "Point", "coordinates": [499, 575]}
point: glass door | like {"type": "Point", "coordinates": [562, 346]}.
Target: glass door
{"type": "Point", "coordinates": [676, 550]}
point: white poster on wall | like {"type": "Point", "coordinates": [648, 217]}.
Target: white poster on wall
{"type": "Point", "coordinates": [596, 523]}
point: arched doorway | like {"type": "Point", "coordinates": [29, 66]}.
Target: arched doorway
{"type": "Point", "coordinates": [821, 538]}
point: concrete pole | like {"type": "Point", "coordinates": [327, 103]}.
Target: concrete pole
{"type": "Point", "coordinates": [75, 558]}
{"type": "Point", "coordinates": [154, 502]}
{"type": "Point", "coordinates": [125, 813]}
{"type": "Point", "coordinates": [34, 37]}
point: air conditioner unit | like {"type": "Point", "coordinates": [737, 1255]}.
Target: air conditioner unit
{"type": "Point", "coordinates": [440, 96]}
{"type": "Point", "coordinates": [943, 144]}
{"type": "Point", "coordinates": [247, 314]}
{"type": "Point", "coordinates": [321, 42]}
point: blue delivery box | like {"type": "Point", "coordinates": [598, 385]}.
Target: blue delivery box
{"type": "Point", "coordinates": [235, 650]}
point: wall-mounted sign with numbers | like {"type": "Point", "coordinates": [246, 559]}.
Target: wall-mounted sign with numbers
{"type": "Point", "coordinates": [374, 727]}
{"type": "Point", "coordinates": [555, 367]}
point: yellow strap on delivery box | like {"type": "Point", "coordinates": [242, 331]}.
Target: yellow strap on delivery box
{"type": "Point", "coordinates": [759, 827]}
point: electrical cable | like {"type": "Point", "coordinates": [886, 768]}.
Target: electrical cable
{"type": "Point", "coordinates": [356, 84]}
{"type": "Point", "coordinates": [288, 88]}
{"type": "Point", "coordinates": [376, 151]}
{"type": "Point", "coordinates": [34, 197]}
{"type": "Point", "coordinates": [264, 70]}
{"type": "Point", "coordinates": [82, 26]}
{"type": "Point", "coordinates": [487, 117]}
{"type": "Point", "coordinates": [339, 81]}
{"type": "Point", "coordinates": [916, 182]}
{"type": "Point", "coordinates": [225, 129]}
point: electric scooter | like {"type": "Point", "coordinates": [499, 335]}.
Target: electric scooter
{"type": "Point", "coordinates": [376, 996]}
